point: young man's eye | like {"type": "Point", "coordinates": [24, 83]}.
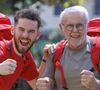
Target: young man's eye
{"type": "Point", "coordinates": [21, 29]}
{"type": "Point", "coordinates": [32, 31]}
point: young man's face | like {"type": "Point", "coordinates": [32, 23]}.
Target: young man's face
{"type": "Point", "coordinates": [25, 34]}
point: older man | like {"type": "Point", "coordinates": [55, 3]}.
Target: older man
{"type": "Point", "coordinates": [76, 57]}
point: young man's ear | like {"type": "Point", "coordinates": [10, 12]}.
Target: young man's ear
{"type": "Point", "coordinates": [12, 30]}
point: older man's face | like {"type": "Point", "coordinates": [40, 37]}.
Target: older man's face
{"type": "Point", "coordinates": [74, 28]}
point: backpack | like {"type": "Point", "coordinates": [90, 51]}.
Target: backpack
{"type": "Point", "coordinates": [5, 27]}
{"type": "Point", "coordinates": [93, 31]}
{"type": "Point", "coordinates": [5, 32]}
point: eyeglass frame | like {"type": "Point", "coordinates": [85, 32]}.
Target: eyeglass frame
{"type": "Point", "coordinates": [70, 27]}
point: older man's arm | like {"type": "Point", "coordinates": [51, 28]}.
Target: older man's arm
{"type": "Point", "coordinates": [88, 80]}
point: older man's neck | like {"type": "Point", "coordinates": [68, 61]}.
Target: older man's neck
{"type": "Point", "coordinates": [76, 47]}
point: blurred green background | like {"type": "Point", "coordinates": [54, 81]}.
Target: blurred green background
{"type": "Point", "coordinates": [50, 34]}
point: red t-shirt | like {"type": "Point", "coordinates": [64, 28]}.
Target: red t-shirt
{"type": "Point", "coordinates": [26, 67]}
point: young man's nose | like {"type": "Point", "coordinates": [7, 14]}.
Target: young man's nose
{"type": "Point", "coordinates": [25, 34]}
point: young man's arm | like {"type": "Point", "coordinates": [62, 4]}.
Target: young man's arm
{"type": "Point", "coordinates": [42, 83]}
{"type": "Point", "coordinates": [45, 83]}
{"type": "Point", "coordinates": [32, 83]}
{"type": "Point", "coordinates": [8, 67]}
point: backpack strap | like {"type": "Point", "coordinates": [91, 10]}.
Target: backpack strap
{"type": "Point", "coordinates": [58, 53]}
{"type": "Point", "coordinates": [96, 54]}
{"type": "Point", "coordinates": [59, 50]}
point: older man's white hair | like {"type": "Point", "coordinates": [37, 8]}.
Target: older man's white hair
{"type": "Point", "coordinates": [79, 9]}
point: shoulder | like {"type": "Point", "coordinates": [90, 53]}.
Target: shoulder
{"type": "Point", "coordinates": [3, 45]}
{"type": "Point", "coordinates": [90, 40]}
{"type": "Point", "coordinates": [29, 55]}
{"type": "Point", "coordinates": [3, 50]}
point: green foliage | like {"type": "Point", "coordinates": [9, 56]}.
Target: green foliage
{"type": "Point", "coordinates": [73, 2]}
{"type": "Point", "coordinates": [52, 36]}
{"type": "Point", "coordinates": [4, 8]}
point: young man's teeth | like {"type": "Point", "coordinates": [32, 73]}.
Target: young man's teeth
{"type": "Point", "coordinates": [24, 41]}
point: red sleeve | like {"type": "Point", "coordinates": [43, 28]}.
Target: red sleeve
{"type": "Point", "coordinates": [3, 51]}
{"type": "Point", "coordinates": [30, 71]}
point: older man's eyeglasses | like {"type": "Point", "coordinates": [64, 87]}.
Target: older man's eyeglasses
{"type": "Point", "coordinates": [78, 26]}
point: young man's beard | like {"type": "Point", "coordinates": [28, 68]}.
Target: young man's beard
{"type": "Point", "coordinates": [22, 51]}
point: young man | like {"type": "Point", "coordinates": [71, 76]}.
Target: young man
{"type": "Point", "coordinates": [76, 57]}
{"type": "Point", "coordinates": [16, 61]}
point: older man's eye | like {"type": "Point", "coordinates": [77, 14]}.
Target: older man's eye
{"type": "Point", "coordinates": [80, 26]}
{"type": "Point", "coordinates": [69, 27]}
